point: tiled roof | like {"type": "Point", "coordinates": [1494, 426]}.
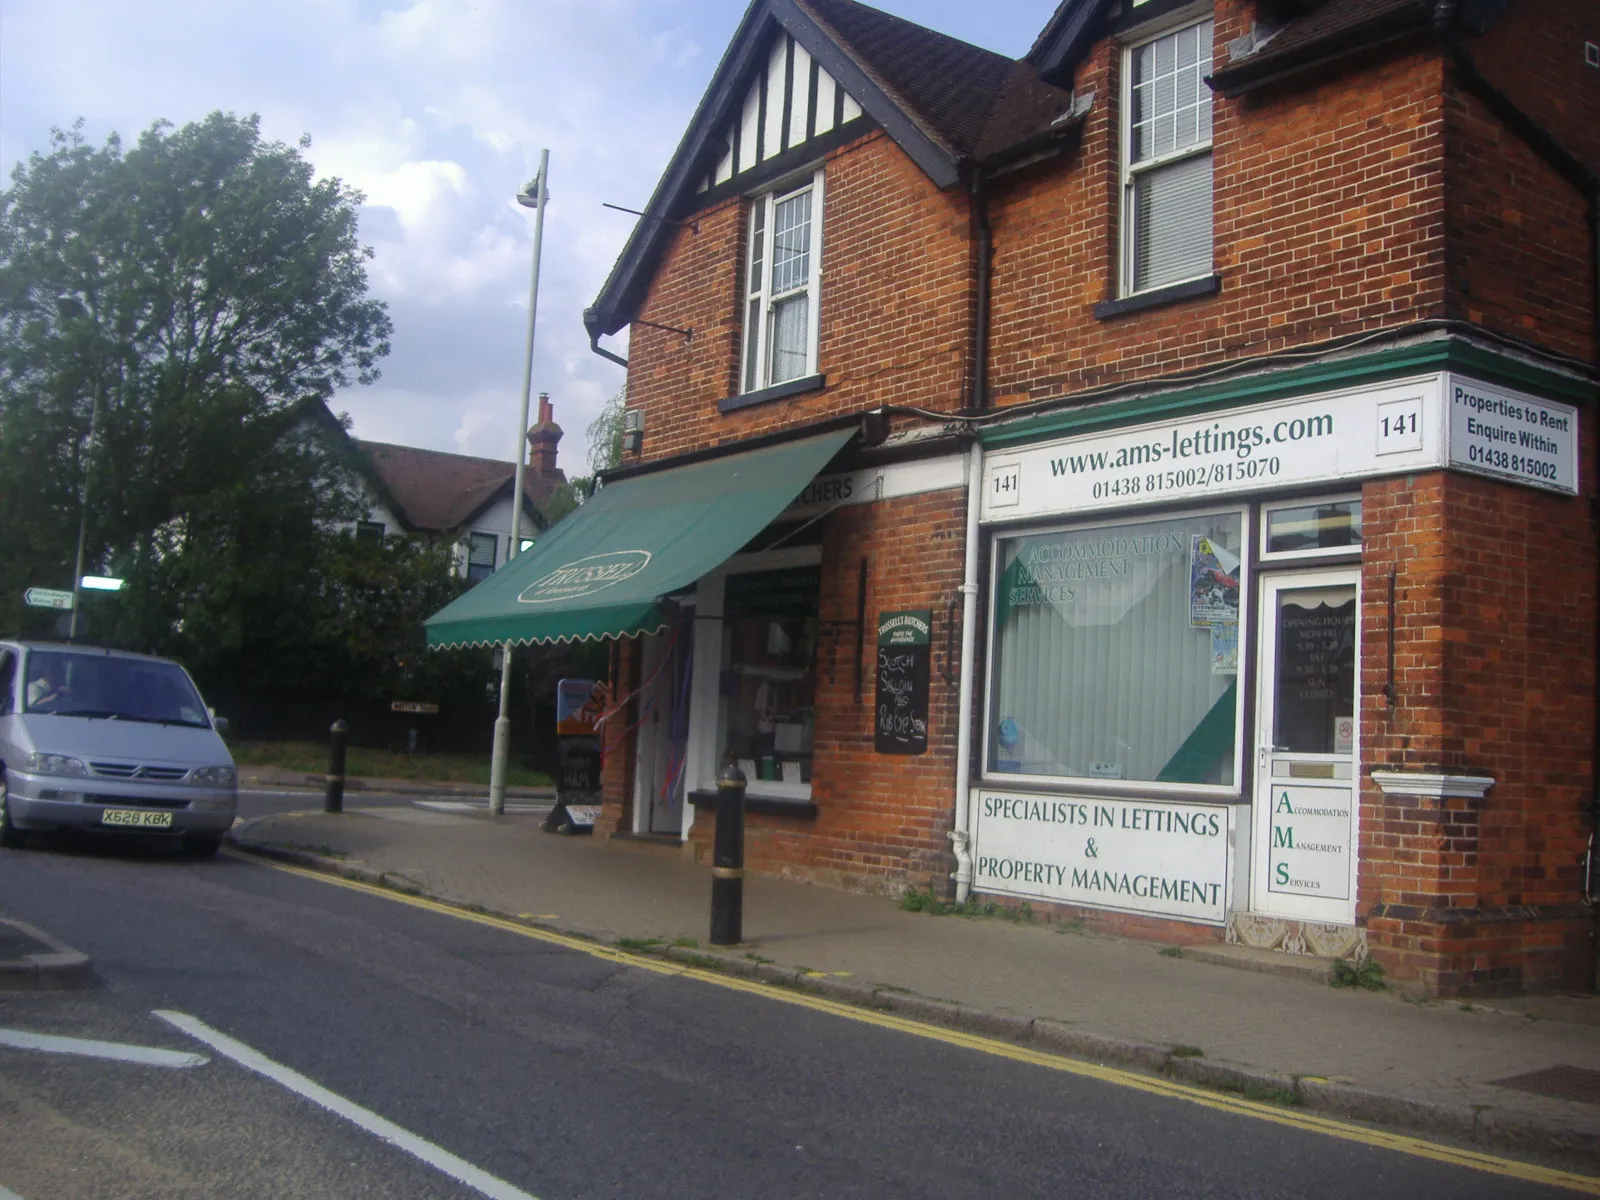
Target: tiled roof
{"type": "Point", "coordinates": [1334, 26]}
{"type": "Point", "coordinates": [438, 491]}
{"type": "Point", "coordinates": [953, 90]}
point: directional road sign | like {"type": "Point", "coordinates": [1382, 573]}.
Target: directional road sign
{"type": "Point", "coordinates": [47, 598]}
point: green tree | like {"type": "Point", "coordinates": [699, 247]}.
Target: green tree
{"type": "Point", "coordinates": [187, 291]}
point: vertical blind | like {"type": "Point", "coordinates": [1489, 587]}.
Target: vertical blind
{"type": "Point", "coordinates": [1101, 671]}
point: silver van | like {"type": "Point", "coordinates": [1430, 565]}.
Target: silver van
{"type": "Point", "coordinates": [108, 742]}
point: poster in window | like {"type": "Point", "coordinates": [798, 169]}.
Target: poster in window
{"type": "Point", "coordinates": [1213, 583]}
{"type": "Point", "coordinates": [1225, 649]}
{"type": "Point", "coordinates": [900, 712]}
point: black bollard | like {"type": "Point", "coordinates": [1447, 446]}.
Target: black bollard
{"type": "Point", "coordinates": [727, 858]}
{"type": "Point", "coordinates": [333, 798]}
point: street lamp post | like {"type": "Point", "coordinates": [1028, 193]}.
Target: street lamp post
{"type": "Point", "coordinates": [533, 195]}
{"type": "Point", "coordinates": [71, 307]}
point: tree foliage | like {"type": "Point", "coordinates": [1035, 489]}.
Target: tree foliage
{"type": "Point", "coordinates": [185, 296]}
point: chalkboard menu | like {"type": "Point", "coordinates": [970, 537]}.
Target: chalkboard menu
{"type": "Point", "coordinates": [901, 708]}
{"type": "Point", "coordinates": [1316, 675]}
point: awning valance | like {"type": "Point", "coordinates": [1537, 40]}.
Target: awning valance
{"type": "Point", "coordinates": [599, 572]}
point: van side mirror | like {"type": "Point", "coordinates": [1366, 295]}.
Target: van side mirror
{"type": "Point", "coordinates": [220, 724]}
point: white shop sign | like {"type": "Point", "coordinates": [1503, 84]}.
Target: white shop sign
{"type": "Point", "coordinates": [1429, 422]}
{"type": "Point", "coordinates": [1140, 856]}
{"type": "Point", "coordinates": [1512, 436]}
{"type": "Point", "coordinates": [879, 483]}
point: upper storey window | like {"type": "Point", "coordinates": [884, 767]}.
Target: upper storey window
{"type": "Point", "coordinates": [781, 277]}
{"type": "Point", "coordinates": [1166, 174]}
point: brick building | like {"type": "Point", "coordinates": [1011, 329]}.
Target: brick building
{"type": "Point", "coordinates": [1151, 478]}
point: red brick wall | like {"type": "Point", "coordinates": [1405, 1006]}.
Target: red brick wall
{"type": "Point", "coordinates": [896, 316]}
{"type": "Point", "coordinates": [1521, 248]}
{"type": "Point", "coordinates": [1494, 651]}
{"type": "Point", "coordinates": [883, 820]}
{"type": "Point", "coordinates": [1534, 53]}
{"type": "Point", "coordinates": [1328, 198]}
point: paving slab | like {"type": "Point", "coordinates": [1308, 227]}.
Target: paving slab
{"type": "Point", "coordinates": [1375, 1056]}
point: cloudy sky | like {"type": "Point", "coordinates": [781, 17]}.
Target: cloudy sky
{"type": "Point", "coordinates": [437, 111]}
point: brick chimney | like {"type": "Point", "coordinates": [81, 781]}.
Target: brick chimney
{"type": "Point", "coordinates": [543, 439]}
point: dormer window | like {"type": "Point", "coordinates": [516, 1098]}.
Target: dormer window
{"type": "Point", "coordinates": [1166, 174]}
{"type": "Point", "coordinates": [781, 285]}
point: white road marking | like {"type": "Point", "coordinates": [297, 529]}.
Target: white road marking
{"type": "Point", "coordinates": [420, 1148]}
{"type": "Point", "coordinates": [7, 1194]}
{"type": "Point", "coordinates": [149, 1056]}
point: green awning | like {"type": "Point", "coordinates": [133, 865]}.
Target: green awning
{"type": "Point", "coordinates": [599, 572]}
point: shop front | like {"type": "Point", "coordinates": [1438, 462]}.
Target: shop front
{"type": "Point", "coordinates": [744, 593]}
{"type": "Point", "coordinates": [1207, 631]}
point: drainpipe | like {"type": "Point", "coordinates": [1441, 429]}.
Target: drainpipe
{"type": "Point", "coordinates": [1594, 757]}
{"type": "Point", "coordinates": [594, 344]}
{"type": "Point", "coordinates": [960, 837]}
{"type": "Point", "coordinates": [980, 337]}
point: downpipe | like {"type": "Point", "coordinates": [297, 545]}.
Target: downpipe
{"type": "Point", "coordinates": [960, 835]}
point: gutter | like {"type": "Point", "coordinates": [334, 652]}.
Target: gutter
{"type": "Point", "coordinates": [1267, 68]}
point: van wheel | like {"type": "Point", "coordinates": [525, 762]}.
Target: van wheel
{"type": "Point", "coordinates": [201, 847]}
{"type": "Point", "coordinates": [10, 836]}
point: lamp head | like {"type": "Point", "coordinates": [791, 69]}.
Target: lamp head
{"type": "Point", "coordinates": [528, 197]}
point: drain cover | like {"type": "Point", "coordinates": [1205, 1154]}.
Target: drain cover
{"type": "Point", "coordinates": [1559, 1083]}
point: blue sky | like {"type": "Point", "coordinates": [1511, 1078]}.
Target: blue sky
{"type": "Point", "coordinates": [437, 110]}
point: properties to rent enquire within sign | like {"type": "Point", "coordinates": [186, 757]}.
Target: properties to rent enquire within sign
{"type": "Point", "coordinates": [1133, 855]}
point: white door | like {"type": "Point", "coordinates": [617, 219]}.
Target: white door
{"type": "Point", "coordinates": [1307, 746]}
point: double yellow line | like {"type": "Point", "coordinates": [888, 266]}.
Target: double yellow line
{"type": "Point", "coordinates": [1154, 1085]}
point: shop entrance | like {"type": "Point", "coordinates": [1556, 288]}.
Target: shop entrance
{"type": "Point", "coordinates": [663, 732]}
{"type": "Point", "coordinates": [1307, 757]}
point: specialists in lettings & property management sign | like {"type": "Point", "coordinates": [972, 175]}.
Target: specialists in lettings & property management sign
{"type": "Point", "coordinates": [1439, 420]}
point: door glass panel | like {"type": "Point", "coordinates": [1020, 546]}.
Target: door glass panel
{"type": "Point", "coordinates": [1315, 687]}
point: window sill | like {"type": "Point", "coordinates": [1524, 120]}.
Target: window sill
{"type": "Point", "coordinates": [780, 391]}
{"type": "Point", "coordinates": [771, 806]}
{"type": "Point", "coordinates": [1209, 286]}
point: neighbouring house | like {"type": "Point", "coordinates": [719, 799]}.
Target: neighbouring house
{"type": "Point", "coordinates": [1152, 479]}
{"type": "Point", "coordinates": [460, 497]}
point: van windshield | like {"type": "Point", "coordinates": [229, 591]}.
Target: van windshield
{"type": "Point", "coordinates": [73, 684]}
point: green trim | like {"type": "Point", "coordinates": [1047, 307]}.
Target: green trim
{"type": "Point", "coordinates": [1446, 355]}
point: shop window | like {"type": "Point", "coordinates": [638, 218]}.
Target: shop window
{"type": "Point", "coordinates": [1312, 530]}
{"type": "Point", "coordinates": [1166, 175]}
{"type": "Point", "coordinates": [481, 555]}
{"type": "Point", "coordinates": [780, 334]}
{"type": "Point", "coordinates": [768, 682]}
{"type": "Point", "coordinates": [1116, 653]}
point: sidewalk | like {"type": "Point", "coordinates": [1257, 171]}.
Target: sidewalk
{"type": "Point", "coordinates": [1428, 1066]}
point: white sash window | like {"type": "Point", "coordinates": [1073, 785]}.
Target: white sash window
{"type": "Point", "coordinates": [1166, 176]}
{"type": "Point", "coordinates": [781, 285]}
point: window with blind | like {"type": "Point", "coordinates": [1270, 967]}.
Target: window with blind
{"type": "Point", "coordinates": [481, 555]}
{"type": "Point", "coordinates": [1166, 192]}
{"type": "Point", "coordinates": [781, 270]}
{"type": "Point", "coordinates": [1115, 653]}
